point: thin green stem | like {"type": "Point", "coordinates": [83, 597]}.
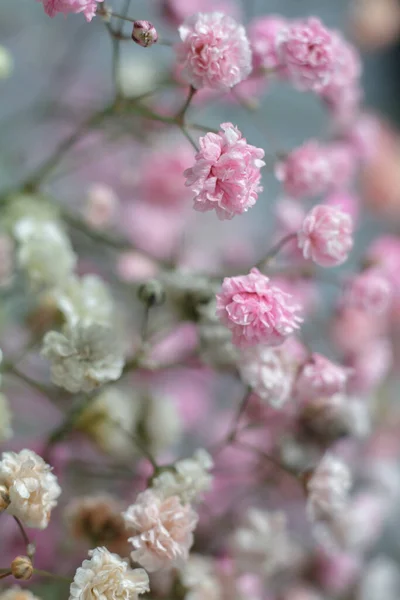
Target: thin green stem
{"type": "Point", "coordinates": [189, 137]}
{"type": "Point", "coordinates": [275, 250]}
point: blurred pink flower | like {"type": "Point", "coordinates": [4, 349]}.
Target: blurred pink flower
{"type": "Point", "coordinates": [326, 236]}
{"type": "Point", "coordinates": [256, 311]}
{"type": "Point", "coordinates": [226, 175]}
{"type": "Point", "coordinates": [320, 377]}
{"type": "Point", "coordinates": [370, 365]}
{"type": "Point", "coordinates": [214, 51]}
{"type": "Point", "coordinates": [87, 7]}
{"type": "Point", "coordinates": [177, 11]}
{"type": "Point", "coordinates": [101, 206]}
{"type": "Point", "coordinates": [370, 291]}
{"type": "Point", "coordinates": [263, 35]}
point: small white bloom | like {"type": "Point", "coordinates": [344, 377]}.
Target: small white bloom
{"type": "Point", "coordinates": [32, 487]}
{"type": "Point", "coordinates": [44, 253]}
{"type": "Point", "coordinates": [189, 478]}
{"type": "Point", "coordinates": [17, 593]}
{"type": "Point", "coordinates": [5, 419]}
{"type": "Point", "coordinates": [105, 576]}
{"type": "Point", "coordinates": [83, 299]}
{"type": "Point", "coordinates": [262, 544]}
{"type": "Point", "coordinates": [328, 488]}
{"type": "Point", "coordinates": [6, 63]}
{"type": "Point", "coordinates": [199, 578]}
{"type": "Point", "coordinates": [83, 356]}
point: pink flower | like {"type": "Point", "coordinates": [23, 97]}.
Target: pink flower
{"type": "Point", "coordinates": [307, 51]}
{"type": "Point", "coordinates": [369, 291]}
{"type": "Point", "coordinates": [163, 530]}
{"type": "Point", "coordinates": [226, 175]}
{"type": "Point", "coordinates": [306, 171]}
{"type": "Point", "coordinates": [101, 206]}
{"type": "Point", "coordinates": [326, 236]}
{"type": "Point", "coordinates": [144, 33]}
{"type": "Point", "coordinates": [214, 51]}
{"type": "Point", "coordinates": [320, 377]}
{"type": "Point", "coordinates": [370, 365]}
{"type": "Point", "coordinates": [347, 202]}
{"type": "Point", "coordinates": [87, 7]}
{"type": "Point", "coordinates": [177, 11]}
{"type": "Point", "coordinates": [263, 35]}
{"type": "Point", "coordinates": [256, 311]}
{"type": "Point", "coordinates": [342, 158]}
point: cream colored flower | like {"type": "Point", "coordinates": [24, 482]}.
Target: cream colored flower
{"type": "Point", "coordinates": [199, 578]}
{"type": "Point", "coordinates": [84, 299]}
{"type": "Point", "coordinates": [105, 576]}
{"type": "Point", "coordinates": [188, 480]}
{"type": "Point", "coordinates": [5, 419]}
{"type": "Point", "coordinates": [83, 356]}
{"type": "Point", "coordinates": [32, 487]}
{"type": "Point", "coordinates": [163, 530]}
{"type": "Point", "coordinates": [17, 593]}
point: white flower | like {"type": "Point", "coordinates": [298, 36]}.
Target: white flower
{"type": "Point", "coordinates": [17, 593]}
{"type": "Point", "coordinates": [84, 356]}
{"type": "Point", "coordinates": [106, 576]}
{"type": "Point", "coordinates": [263, 544]}
{"type": "Point", "coordinates": [84, 299]}
{"type": "Point", "coordinates": [163, 530]}
{"type": "Point", "coordinates": [188, 480]}
{"type": "Point", "coordinates": [162, 422]}
{"type": "Point", "coordinates": [267, 372]}
{"type": "Point", "coordinates": [199, 578]}
{"type": "Point", "coordinates": [328, 489]}
{"type": "Point", "coordinates": [44, 253]}
{"type": "Point", "coordinates": [32, 487]}
{"type": "Point", "coordinates": [5, 419]}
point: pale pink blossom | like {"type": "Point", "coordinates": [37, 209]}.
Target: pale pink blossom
{"type": "Point", "coordinates": [214, 51]}
{"type": "Point", "coordinates": [342, 158]}
{"type": "Point", "coordinates": [87, 7]}
{"type": "Point", "coordinates": [347, 202]}
{"type": "Point", "coordinates": [369, 291]}
{"type": "Point", "coordinates": [336, 571]}
{"type": "Point", "coordinates": [263, 35]}
{"type": "Point", "coordinates": [256, 311]}
{"type": "Point", "coordinates": [177, 11]}
{"type": "Point", "coordinates": [307, 52]}
{"type": "Point", "coordinates": [343, 103]}
{"type": "Point", "coordinates": [162, 530]}
{"type": "Point", "coordinates": [289, 219]}
{"type": "Point", "coordinates": [101, 206]}
{"type": "Point", "coordinates": [352, 329]}
{"type": "Point", "coordinates": [226, 175]}
{"type": "Point", "coordinates": [326, 236]}
{"type": "Point", "coordinates": [320, 377]}
{"type": "Point", "coordinates": [328, 489]}
{"type": "Point", "coordinates": [370, 365]}
{"type": "Point", "coordinates": [135, 266]}
{"type": "Point", "coordinates": [306, 171]}
{"type": "Point", "coordinates": [144, 33]}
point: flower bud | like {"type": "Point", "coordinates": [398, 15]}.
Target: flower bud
{"type": "Point", "coordinates": [22, 568]}
{"type": "Point", "coordinates": [151, 293]}
{"type": "Point", "coordinates": [144, 33]}
{"type": "Point", "coordinates": [4, 498]}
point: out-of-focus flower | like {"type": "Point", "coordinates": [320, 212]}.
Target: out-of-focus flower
{"type": "Point", "coordinates": [189, 478]}
{"type": "Point", "coordinates": [369, 365]}
{"type": "Point", "coordinates": [199, 577]}
{"type": "Point", "coordinates": [83, 356]}
{"type": "Point", "coordinates": [177, 11]}
{"type": "Point", "coordinates": [32, 488]}
{"type": "Point", "coordinates": [6, 63]}
{"type": "Point", "coordinates": [256, 311]}
{"type": "Point", "coordinates": [44, 252]}
{"type": "Point", "coordinates": [5, 419]}
{"type": "Point", "coordinates": [263, 35]}
{"type": "Point", "coordinates": [144, 33]}
{"type": "Point", "coordinates": [107, 576]}
{"type": "Point", "coordinates": [17, 593]}
{"type": "Point", "coordinates": [87, 7]}
{"type": "Point", "coordinates": [326, 236]}
{"type": "Point", "coordinates": [269, 372]}
{"type": "Point", "coordinates": [98, 520]}
{"type": "Point", "coordinates": [101, 206]}
{"type": "Point", "coordinates": [306, 50]}
{"type": "Point", "coordinates": [369, 291]}
{"type": "Point", "coordinates": [84, 299]}
{"type": "Point", "coordinates": [162, 530]}
{"type": "Point", "coordinates": [226, 175]}
{"type": "Point", "coordinates": [214, 51]}
{"type": "Point", "coordinates": [263, 544]}
{"type": "Point", "coordinates": [320, 377]}
{"type": "Point", "coordinates": [327, 489]}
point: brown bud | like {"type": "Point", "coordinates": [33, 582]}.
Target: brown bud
{"type": "Point", "coordinates": [4, 498]}
{"type": "Point", "coordinates": [22, 568]}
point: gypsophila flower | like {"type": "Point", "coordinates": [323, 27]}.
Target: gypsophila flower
{"type": "Point", "coordinates": [83, 356]}
{"type": "Point", "coordinates": [268, 372]}
{"type": "Point", "coordinates": [32, 487]}
{"type": "Point", "coordinates": [214, 51]}
{"type": "Point", "coordinates": [226, 175]}
{"type": "Point", "coordinates": [256, 311]}
{"type": "Point", "coordinates": [326, 236]}
{"type": "Point", "coordinates": [87, 7]}
{"type": "Point", "coordinates": [5, 419]}
{"type": "Point", "coordinates": [263, 35]}
{"type": "Point", "coordinates": [144, 33]}
{"type": "Point", "coordinates": [44, 252]}
{"type": "Point", "coordinates": [306, 51]}
{"type": "Point", "coordinates": [189, 478]}
{"type": "Point", "coordinates": [320, 377]}
{"type": "Point", "coordinates": [106, 576]}
{"type": "Point", "coordinates": [199, 577]}
{"type": "Point", "coordinates": [83, 299]}
{"type": "Point", "coordinates": [17, 593]}
{"type": "Point", "coordinates": [327, 489]}
{"type": "Point", "coordinates": [369, 291]}
{"type": "Point", "coordinates": [162, 530]}
{"type": "Point", "coordinates": [263, 544]}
